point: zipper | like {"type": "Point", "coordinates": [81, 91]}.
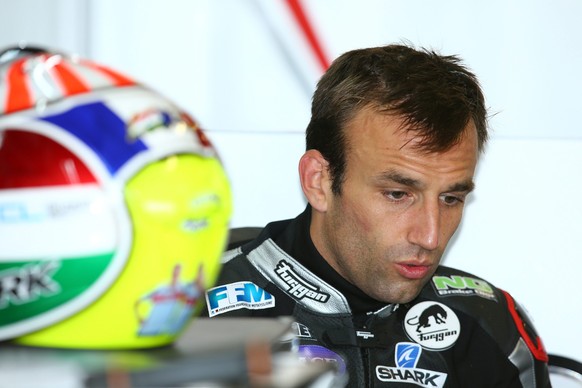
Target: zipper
{"type": "Point", "coordinates": [366, 366]}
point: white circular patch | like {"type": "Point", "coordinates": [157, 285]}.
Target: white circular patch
{"type": "Point", "coordinates": [433, 325]}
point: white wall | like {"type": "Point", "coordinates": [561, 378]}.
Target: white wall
{"type": "Point", "coordinates": [243, 70]}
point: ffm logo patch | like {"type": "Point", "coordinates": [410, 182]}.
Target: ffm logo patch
{"type": "Point", "coordinates": [235, 296]}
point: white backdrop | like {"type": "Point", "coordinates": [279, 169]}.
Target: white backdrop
{"type": "Point", "coordinates": [244, 69]}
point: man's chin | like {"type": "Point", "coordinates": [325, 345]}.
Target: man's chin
{"type": "Point", "coordinates": [397, 298]}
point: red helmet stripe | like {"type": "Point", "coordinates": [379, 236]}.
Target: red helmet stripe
{"type": "Point", "coordinates": [18, 95]}
{"type": "Point", "coordinates": [118, 79]}
{"type": "Point", "coordinates": [70, 82]}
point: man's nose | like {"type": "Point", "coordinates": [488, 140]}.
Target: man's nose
{"type": "Point", "coordinates": [425, 226]}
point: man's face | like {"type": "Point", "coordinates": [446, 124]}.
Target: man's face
{"type": "Point", "coordinates": [398, 209]}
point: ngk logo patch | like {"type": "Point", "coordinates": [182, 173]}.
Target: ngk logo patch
{"type": "Point", "coordinates": [28, 283]}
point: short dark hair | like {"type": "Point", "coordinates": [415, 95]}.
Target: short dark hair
{"type": "Point", "coordinates": [435, 94]}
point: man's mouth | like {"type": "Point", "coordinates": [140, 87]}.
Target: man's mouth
{"type": "Point", "coordinates": [412, 271]}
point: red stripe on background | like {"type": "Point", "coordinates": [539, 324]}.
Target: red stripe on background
{"type": "Point", "coordinates": [309, 33]}
{"type": "Point", "coordinates": [118, 79]}
{"type": "Point", "coordinates": [71, 83]}
{"type": "Point", "coordinates": [18, 96]}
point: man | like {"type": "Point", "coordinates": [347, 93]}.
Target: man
{"type": "Point", "coordinates": [392, 147]}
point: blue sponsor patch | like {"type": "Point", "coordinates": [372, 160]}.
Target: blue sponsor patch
{"type": "Point", "coordinates": [407, 354]}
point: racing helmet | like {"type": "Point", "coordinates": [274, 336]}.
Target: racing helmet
{"type": "Point", "coordinates": [114, 207]}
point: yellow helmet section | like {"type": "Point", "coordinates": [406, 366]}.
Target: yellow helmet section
{"type": "Point", "coordinates": [179, 207]}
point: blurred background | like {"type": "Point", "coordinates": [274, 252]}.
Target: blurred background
{"type": "Point", "coordinates": [246, 69]}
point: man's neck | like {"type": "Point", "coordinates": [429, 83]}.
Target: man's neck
{"type": "Point", "coordinates": [297, 242]}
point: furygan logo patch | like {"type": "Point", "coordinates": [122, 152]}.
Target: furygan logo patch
{"type": "Point", "coordinates": [433, 325]}
{"type": "Point", "coordinates": [297, 286]}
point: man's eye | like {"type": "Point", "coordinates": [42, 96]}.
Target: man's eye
{"type": "Point", "coordinates": [395, 195]}
{"type": "Point", "coordinates": [452, 200]}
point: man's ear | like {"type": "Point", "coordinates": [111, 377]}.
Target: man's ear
{"type": "Point", "coordinates": [315, 179]}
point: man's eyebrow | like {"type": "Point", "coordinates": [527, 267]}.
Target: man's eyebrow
{"type": "Point", "coordinates": [463, 187]}
{"type": "Point", "coordinates": [397, 177]}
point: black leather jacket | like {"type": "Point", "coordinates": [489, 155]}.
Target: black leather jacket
{"type": "Point", "coordinates": [459, 332]}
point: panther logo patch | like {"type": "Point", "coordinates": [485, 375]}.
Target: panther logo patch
{"type": "Point", "coordinates": [433, 325]}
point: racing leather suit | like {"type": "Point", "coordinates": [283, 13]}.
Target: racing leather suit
{"type": "Point", "coordinates": [459, 332]}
